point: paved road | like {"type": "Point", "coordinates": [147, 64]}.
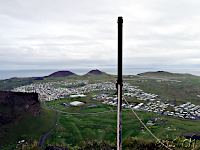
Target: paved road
{"type": "Point", "coordinates": [47, 136]}
{"type": "Point", "coordinates": [88, 113]}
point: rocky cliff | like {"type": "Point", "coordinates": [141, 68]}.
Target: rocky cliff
{"type": "Point", "coordinates": [17, 104]}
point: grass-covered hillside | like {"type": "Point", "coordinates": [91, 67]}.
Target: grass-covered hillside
{"type": "Point", "coordinates": [170, 86]}
{"type": "Point", "coordinates": [163, 74]}
{"type": "Point", "coordinates": [27, 128]}
{"type": "Point", "coordinates": [74, 129]}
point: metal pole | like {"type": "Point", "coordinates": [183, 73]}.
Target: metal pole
{"type": "Point", "coordinates": [119, 85]}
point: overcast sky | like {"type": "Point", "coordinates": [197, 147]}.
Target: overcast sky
{"type": "Point", "coordinates": [66, 34]}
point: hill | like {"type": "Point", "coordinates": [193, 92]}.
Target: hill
{"type": "Point", "coordinates": [163, 74]}
{"type": "Point", "coordinates": [11, 83]}
{"type": "Point", "coordinates": [14, 106]}
{"type": "Point", "coordinates": [60, 74]}
{"type": "Point", "coordinates": [96, 72]}
{"type": "Point", "coordinates": [22, 118]}
{"type": "Point", "coordinates": [95, 75]}
{"type": "Point", "coordinates": [92, 76]}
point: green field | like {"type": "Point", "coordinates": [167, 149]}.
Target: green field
{"type": "Point", "coordinates": [64, 100]}
{"type": "Point", "coordinates": [88, 100]}
{"type": "Point", "coordinates": [58, 107]}
{"type": "Point", "coordinates": [83, 108]}
{"type": "Point", "coordinates": [94, 110]}
{"type": "Point", "coordinates": [76, 128]}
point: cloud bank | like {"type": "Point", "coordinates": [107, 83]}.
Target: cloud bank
{"type": "Point", "coordinates": [65, 34]}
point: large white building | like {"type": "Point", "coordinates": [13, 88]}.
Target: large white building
{"type": "Point", "coordinates": [80, 95]}
{"type": "Point", "coordinates": [76, 103]}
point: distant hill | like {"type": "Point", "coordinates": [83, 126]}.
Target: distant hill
{"type": "Point", "coordinates": [96, 72]}
{"type": "Point", "coordinates": [93, 75]}
{"type": "Point", "coordinates": [60, 74]}
{"type": "Point", "coordinates": [97, 75]}
{"type": "Point", "coordinates": [163, 74]}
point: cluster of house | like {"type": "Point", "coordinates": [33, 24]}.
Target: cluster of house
{"type": "Point", "coordinates": [133, 91]}
{"type": "Point", "coordinates": [48, 91]}
{"type": "Point", "coordinates": [153, 104]}
{"type": "Point", "coordinates": [187, 110]}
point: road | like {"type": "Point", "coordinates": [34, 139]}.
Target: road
{"type": "Point", "coordinates": [47, 136]}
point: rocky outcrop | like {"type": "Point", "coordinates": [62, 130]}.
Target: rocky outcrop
{"type": "Point", "coordinates": [16, 104]}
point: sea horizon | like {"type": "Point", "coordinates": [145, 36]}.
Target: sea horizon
{"type": "Point", "coordinates": [7, 74]}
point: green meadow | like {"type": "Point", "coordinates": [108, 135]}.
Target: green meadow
{"type": "Point", "coordinates": [74, 129]}
{"type": "Point", "coordinates": [59, 101]}
{"type": "Point", "coordinates": [88, 100]}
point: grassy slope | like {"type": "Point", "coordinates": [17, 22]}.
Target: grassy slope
{"type": "Point", "coordinates": [75, 128]}
{"type": "Point", "coordinates": [187, 90]}
{"type": "Point", "coordinates": [98, 78]}
{"type": "Point", "coordinates": [28, 127]}
{"type": "Point", "coordinates": [163, 74]}
{"type": "Point", "coordinates": [14, 82]}
{"type": "Point", "coordinates": [68, 78]}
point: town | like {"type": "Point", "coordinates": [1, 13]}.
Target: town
{"type": "Point", "coordinates": [151, 102]}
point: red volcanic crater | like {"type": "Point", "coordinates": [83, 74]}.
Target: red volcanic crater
{"type": "Point", "coordinates": [61, 74]}
{"type": "Point", "coordinates": [96, 72]}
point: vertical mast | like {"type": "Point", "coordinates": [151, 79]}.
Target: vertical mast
{"type": "Point", "coordinates": [119, 85]}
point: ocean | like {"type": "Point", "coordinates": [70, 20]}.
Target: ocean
{"type": "Point", "coordinates": [7, 74]}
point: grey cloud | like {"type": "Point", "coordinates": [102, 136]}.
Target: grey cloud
{"type": "Point", "coordinates": [49, 34]}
